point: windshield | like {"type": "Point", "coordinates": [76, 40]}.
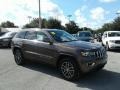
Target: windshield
{"type": "Point", "coordinates": [85, 34]}
{"type": "Point", "coordinates": [114, 34]}
{"type": "Point", "coordinates": [62, 36]}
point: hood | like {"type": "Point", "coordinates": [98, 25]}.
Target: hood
{"type": "Point", "coordinates": [2, 37]}
{"type": "Point", "coordinates": [83, 45]}
{"type": "Point", "coordinates": [114, 38]}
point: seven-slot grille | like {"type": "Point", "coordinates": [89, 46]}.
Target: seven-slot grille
{"type": "Point", "coordinates": [100, 53]}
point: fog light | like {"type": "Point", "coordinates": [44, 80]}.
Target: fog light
{"type": "Point", "coordinates": [91, 64]}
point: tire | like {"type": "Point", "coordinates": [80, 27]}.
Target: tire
{"type": "Point", "coordinates": [107, 47]}
{"type": "Point", "coordinates": [69, 69]}
{"type": "Point", "coordinates": [103, 44]}
{"type": "Point", "coordinates": [18, 57]}
{"type": "Point", "coordinates": [9, 45]}
{"type": "Point", "coordinates": [100, 68]}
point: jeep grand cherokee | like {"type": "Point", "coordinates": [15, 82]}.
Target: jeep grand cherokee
{"type": "Point", "coordinates": [60, 49]}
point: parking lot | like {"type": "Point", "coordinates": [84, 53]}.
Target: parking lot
{"type": "Point", "coordinates": [34, 76]}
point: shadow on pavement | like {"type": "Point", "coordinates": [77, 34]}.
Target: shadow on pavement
{"type": "Point", "coordinates": [41, 67]}
{"type": "Point", "coordinates": [5, 48]}
{"type": "Point", "coordinates": [115, 50]}
{"type": "Point", "coordinates": [101, 80]}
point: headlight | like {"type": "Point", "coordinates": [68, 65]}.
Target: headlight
{"type": "Point", "coordinates": [6, 39]}
{"type": "Point", "coordinates": [87, 53]}
{"type": "Point", "coordinates": [113, 41]}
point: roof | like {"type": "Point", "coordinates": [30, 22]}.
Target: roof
{"type": "Point", "coordinates": [38, 29]}
{"type": "Point", "coordinates": [10, 29]}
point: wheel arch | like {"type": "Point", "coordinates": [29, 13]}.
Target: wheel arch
{"type": "Point", "coordinates": [61, 56]}
{"type": "Point", "coordinates": [15, 48]}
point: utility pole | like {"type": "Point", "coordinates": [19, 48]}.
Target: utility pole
{"type": "Point", "coordinates": [40, 22]}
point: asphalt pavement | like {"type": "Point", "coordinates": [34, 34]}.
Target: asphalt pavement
{"type": "Point", "coordinates": [34, 76]}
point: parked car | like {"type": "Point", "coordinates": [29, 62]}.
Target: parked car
{"type": "Point", "coordinates": [60, 49]}
{"type": "Point", "coordinates": [85, 36]}
{"type": "Point", "coordinates": [5, 39]}
{"type": "Point", "coordinates": [111, 39]}
{"type": "Point", "coordinates": [1, 33]}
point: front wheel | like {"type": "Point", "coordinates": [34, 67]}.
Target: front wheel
{"type": "Point", "coordinates": [69, 69]}
{"type": "Point", "coordinates": [100, 67]}
{"type": "Point", "coordinates": [107, 47]}
{"type": "Point", "coordinates": [18, 57]}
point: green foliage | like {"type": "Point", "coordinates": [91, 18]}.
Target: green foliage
{"type": "Point", "coordinates": [8, 24]}
{"type": "Point", "coordinates": [54, 24]}
{"type": "Point", "coordinates": [33, 24]}
{"type": "Point", "coordinates": [50, 23]}
{"type": "Point", "coordinates": [72, 28]}
{"type": "Point", "coordinates": [116, 24]}
{"type": "Point", "coordinates": [113, 26]}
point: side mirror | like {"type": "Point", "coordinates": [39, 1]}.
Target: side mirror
{"type": "Point", "coordinates": [47, 40]}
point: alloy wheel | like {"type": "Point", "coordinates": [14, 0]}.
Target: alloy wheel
{"type": "Point", "coordinates": [67, 69]}
{"type": "Point", "coordinates": [18, 57]}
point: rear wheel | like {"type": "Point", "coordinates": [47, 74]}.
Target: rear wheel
{"type": "Point", "coordinates": [9, 45]}
{"type": "Point", "coordinates": [18, 57]}
{"type": "Point", "coordinates": [69, 69]}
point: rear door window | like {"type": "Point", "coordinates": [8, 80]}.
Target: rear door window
{"type": "Point", "coordinates": [31, 35]}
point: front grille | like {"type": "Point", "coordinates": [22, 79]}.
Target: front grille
{"type": "Point", "coordinates": [117, 41]}
{"type": "Point", "coordinates": [100, 53]}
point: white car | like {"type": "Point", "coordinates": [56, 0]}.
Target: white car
{"type": "Point", "coordinates": [111, 39]}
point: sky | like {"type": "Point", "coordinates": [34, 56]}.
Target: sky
{"type": "Point", "coordinates": [86, 13]}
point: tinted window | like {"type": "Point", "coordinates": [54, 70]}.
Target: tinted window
{"type": "Point", "coordinates": [114, 34]}
{"type": "Point", "coordinates": [21, 35]}
{"type": "Point", "coordinates": [41, 36]}
{"type": "Point", "coordinates": [85, 34]}
{"type": "Point", "coordinates": [30, 35]}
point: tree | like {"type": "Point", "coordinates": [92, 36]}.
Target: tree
{"type": "Point", "coordinates": [50, 24]}
{"type": "Point", "coordinates": [116, 24]}
{"type": "Point", "coordinates": [54, 24]}
{"type": "Point", "coordinates": [106, 27]}
{"type": "Point", "coordinates": [71, 27]}
{"type": "Point", "coordinates": [33, 24]}
{"type": "Point", "coordinates": [8, 24]}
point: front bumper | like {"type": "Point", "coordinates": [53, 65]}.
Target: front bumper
{"type": "Point", "coordinates": [87, 66]}
{"type": "Point", "coordinates": [4, 43]}
{"type": "Point", "coordinates": [114, 46]}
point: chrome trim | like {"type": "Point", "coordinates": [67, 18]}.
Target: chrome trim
{"type": "Point", "coordinates": [41, 55]}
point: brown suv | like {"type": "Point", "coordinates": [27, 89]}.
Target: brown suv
{"type": "Point", "coordinates": [58, 48]}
